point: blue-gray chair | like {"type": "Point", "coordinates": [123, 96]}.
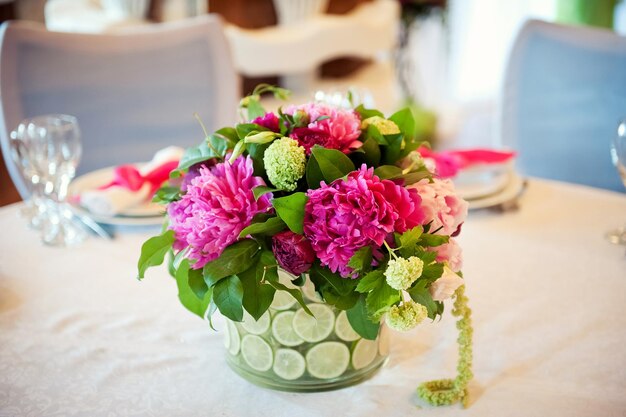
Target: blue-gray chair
{"type": "Point", "coordinates": [564, 93]}
{"type": "Point", "coordinates": [133, 93]}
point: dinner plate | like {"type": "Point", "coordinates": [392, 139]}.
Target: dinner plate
{"type": "Point", "coordinates": [514, 186]}
{"type": "Point", "coordinates": [482, 180]}
{"type": "Point", "coordinates": [147, 214]}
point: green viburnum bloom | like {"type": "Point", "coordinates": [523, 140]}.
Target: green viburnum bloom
{"type": "Point", "coordinates": [406, 316]}
{"type": "Point", "coordinates": [384, 126]}
{"type": "Point", "coordinates": [284, 163]}
{"type": "Point", "coordinates": [401, 273]}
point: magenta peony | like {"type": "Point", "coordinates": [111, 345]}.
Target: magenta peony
{"type": "Point", "coordinates": [218, 205]}
{"type": "Point", "coordinates": [293, 252]}
{"type": "Point", "coordinates": [307, 138]}
{"type": "Point", "coordinates": [270, 121]}
{"type": "Point", "coordinates": [360, 211]}
{"type": "Point", "coordinates": [442, 205]}
{"type": "Point", "coordinates": [342, 127]}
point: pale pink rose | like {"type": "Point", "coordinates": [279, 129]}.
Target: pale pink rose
{"type": "Point", "coordinates": [450, 253]}
{"type": "Point", "coordinates": [441, 205]}
{"type": "Point", "coordinates": [445, 286]}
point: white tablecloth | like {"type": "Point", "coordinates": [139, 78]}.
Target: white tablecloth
{"type": "Point", "coordinates": [79, 336]}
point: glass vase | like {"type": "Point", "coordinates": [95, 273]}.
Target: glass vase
{"type": "Point", "coordinates": [288, 350]}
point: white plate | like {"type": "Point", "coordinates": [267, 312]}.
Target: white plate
{"type": "Point", "coordinates": [148, 214]}
{"type": "Point", "coordinates": [482, 180]}
{"type": "Point", "coordinates": [509, 192]}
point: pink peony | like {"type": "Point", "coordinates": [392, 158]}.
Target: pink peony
{"type": "Point", "coordinates": [441, 205]}
{"type": "Point", "coordinates": [293, 252]}
{"type": "Point", "coordinates": [218, 205]}
{"type": "Point", "coordinates": [450, 253]}
{"type": "Point", "coordinates": [343, 127]}
{"type": "Point", "coordinates": [307, 138]}
{"type": "Point", "coordinates": [270, 121]}
{"type": "Point", "coordinates": [360, 211]}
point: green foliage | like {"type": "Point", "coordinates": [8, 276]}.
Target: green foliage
{"type": "Point", "coordinates": [244, 129]}
{"type": "Point", "coordinates": [166, 195]}
{"type": "Point", "coordinates": [393, 152]}
{"type": "Point", "coordinates": [294, 292]}
{"type": "Point", "coordinates": [257, 296]}
{"type": "Point", "coordinates": [371, 281]}
{"type": "Point", "coordinates": [255, 109]}
{"type": "Point", "coordinates": [235, 259]}
{"type": "Point", "coordinates": [360, 322]}
{"type": "Point", "coordinates": [228, 297]}
{"type": "Point", "coordinates": [313, 174]}
{"type": "Point", "coordinates": [404, 120]}
{"type": "Point", "coordinates": [270, 227]}
{"type": "Point", "coordinates": [291, 210]}
{"type": "Point", "coordinates": [256, 151]}
{"type": "Point", "coordinates": [372, 152]}
{"type": "Point", "coordinates": [362, 259]}
{"type": "Point", "coordinates": [335, 290]}
{"type": "Point", "coordinates": [388, 171]}
{"type": "Point", "coordinates": [332, 163]}
{"type": "Point", "coordinates": [380, 299]}
{"type": "Point", "coordinates": [261, 190]}
{"type": "Point", "coordinates": [367, 113]}
{"type": "Point", "coordinates": [187, 296]}
{"type": "Point", "coordinates": [153, 252]}
{"type": "Point", "coordinates": [196, 283]}
{"type": "Point", "coordinates": [420, 294]}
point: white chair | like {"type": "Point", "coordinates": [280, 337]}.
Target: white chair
{"type": "Point", "coordinates": [563, 94]}
{"type": "Point", "coordinates": [133, 93]}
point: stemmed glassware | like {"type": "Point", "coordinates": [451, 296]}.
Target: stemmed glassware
{"type": "Point", "coordinates": [47, 149]}
{"type": "Point", "coordinates": [618, 156]}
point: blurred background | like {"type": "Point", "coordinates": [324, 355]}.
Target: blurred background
{"type": "Point", "coordinates": [446, 59]}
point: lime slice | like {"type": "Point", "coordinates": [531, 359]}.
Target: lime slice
{"type": "Point", "coordinates": [288, 364]}
{"type": "Point", "coordinates": [257, 352]}
{"type": "Point", "coordinates": [285, 278]}
{"type": "Point", "coordinates": [234, 343]}
{"type": "Point", "coordinates": [364, 353]}
{"type": "Point", "coordinates": [327, 360]}
{"type": "Point", "coordinates": [256, 326]}
{"type": "Point", "coordinates": [343, 329]}
{"type": "Point", "coordinates": [383, 340]}
{"type": "Point", "coordinates": [308, 289]}
{"type": "Point", "coordinates": [282, 329]}
{"type": "Point", "coordinates": [314, 329]}
{"type": "Point", "coordinates": [282, 300]}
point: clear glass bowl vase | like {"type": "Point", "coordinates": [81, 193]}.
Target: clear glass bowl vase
{"type": "Point", "coordinates": [288, 350]}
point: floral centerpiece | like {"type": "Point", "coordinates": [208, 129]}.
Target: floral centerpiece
{"type": "Point", "coordinates": [314, 211]}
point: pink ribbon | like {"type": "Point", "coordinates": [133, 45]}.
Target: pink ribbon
{"type": "Point", "coordinates": [449, 163]}
{"type": "Point", "coordinates": [129, 177]}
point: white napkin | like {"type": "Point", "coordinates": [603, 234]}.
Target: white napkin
{"type": "Point", "coordinates": [116, 200]}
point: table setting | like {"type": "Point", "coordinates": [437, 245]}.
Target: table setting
{"type": "Point", "coordinates": [315, 260]}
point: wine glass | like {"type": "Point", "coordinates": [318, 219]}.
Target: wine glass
{"type": "Point", "coordinates": [618, 156]}
{"type": "Point", "coordinates": [49, 147]}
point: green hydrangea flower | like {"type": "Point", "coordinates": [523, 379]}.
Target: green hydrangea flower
{"type": "Point", "coordinates": [384, 126]}
{"type": "Point", "coordinates": [284, 163]}
{"type": "Point", "coordinates": [406, 316]}
{"type": "Point", "coordinates": [401, 272]}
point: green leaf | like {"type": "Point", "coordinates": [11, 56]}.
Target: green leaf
{"type": "Point", "coordinates": [188, 298]}
{"type": "Point", "coordinates": [228, 296]}
{"type": "Point", "coordinates": [270, 227]}
{"type": "Point", "coordinates": [257, 297]}
{"type": "Point", "coordinates": [360, 322]}
{"type": "Point", "coordinates": [433, 240]}
{"type": "Point", "coordinates": [413, 177]}
{"type": "Point", "coordinates": [432, 272]}
{"type": "Point", "coordinates": [371, 281]}
{"type": "Point", "coordinates": [197, 284]}
{"type": "Point", "coordinates": [196, 154]}
{"type": "Point", "coordinates": [366, 113]}
{"type": "Point", "coordinates": [267, 267]}
{"type": "Point", "coordinates": [387, 172]}
{"type": "Point", "coordinates": [313, 173]}
{"type": "Point", "coordinates": [255, 109]}
{"type": "Point", "coordinates": [394, 149]}
{"type": "Point", "coordinates": [405, 121]}
{"type": "Point", "coordinates": [333, 164]}
{"type": "Point", "coordinates": [261, 190]}
{"type": "Point", "coordinates": [153, 252]}
{"type": "Point", "coordinates": [372, 132]}
{"type": "Point", "coordinates": [322, 276]}
{"type": "Point", "coordinates": [362, 259]}
{"type": "Point", "coordinates": [420, 294]}
{"type": "Point", "coordinates": [291, 210]}
{"type": "Point", "coordinates": [235, 259]}
{"type": "Point", "coordinates": [256, 152]}
{"type": "Point", "coordinates": [244, 129]}
{"type": "Point", "coordinates": [295, 293]}
{"type": "Point", "coordinates": [166, 194]}
{"type": "Point", "coordinates": [408, 240]}
{"type": "Point", "coordinates": [372, 152]}
{"type": "Point", "coordinates": [342, 302]}
{"type": "Point", "coordinates": [380, 299]}
{"type": "Point", "coordinates": [230, 133]}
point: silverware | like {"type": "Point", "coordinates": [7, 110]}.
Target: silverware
{"type": "Point", "coordinates": [93, 226]}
